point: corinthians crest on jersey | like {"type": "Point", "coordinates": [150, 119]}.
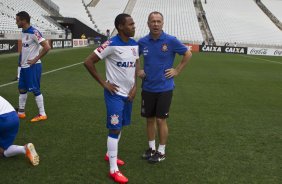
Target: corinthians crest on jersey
{"type": "Point", "coordinates": [164, 47]}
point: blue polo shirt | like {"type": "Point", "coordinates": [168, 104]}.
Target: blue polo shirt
{"type": "Point", "coordinates": [159, 56]}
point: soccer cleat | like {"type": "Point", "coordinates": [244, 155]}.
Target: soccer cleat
{"type": "Point", "coordinates": [118, 177]}
{"type": "Point", "coordinates": [39, 117]}
{"type": "Point", "coordinates": [157, 157]}
{"type": "Point", "coordinates": [31, 154]}
{"type": "Point", "coordinates": [119, 161]}
{"type": "Point", "coordinates": [21, 115]}
{"type": "Point", "coordinates": [148, 153]}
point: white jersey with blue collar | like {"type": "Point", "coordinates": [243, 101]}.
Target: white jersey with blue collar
{"type": "Point", "coordinates": [120, 58]}
{"type": "Point", "coordinates": [31, 39]}
{"type": "Point", "coordinates": [5, 106]}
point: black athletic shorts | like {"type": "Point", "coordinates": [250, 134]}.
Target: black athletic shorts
{"type": "Point", "coordinates": [156, 104]}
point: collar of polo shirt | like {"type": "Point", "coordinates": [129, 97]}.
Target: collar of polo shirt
{"type": "Point", "coordinates": [162, 37]}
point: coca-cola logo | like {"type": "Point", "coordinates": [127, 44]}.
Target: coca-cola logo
{"type": "Point", "coordinates": [259, 51]}
{"type": "Point", "coordinates": [278, 53]}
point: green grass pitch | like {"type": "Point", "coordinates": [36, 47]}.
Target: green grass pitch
{"type": "Point", "coordinates": [225, 124]}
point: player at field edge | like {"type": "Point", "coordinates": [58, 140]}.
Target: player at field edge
{"type": "Point", "coordinates": [158, 49]}
{"type": "Point", "coordinates": [31, 68]}
{"type": "Point", "coordinates": [121, 54]}
{"type": "Point", "coordinates": [9, 126]}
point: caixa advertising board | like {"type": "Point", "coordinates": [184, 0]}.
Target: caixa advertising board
{"type": "Point", "coordinates": [61, 43]}
{"type": "Point", "coordinates": [223, 49]}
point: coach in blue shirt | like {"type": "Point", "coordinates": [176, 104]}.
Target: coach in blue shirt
{"type": "Point", "coordinates": [158, 50]}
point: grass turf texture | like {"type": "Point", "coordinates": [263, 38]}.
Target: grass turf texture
{"type": "Point", "coordinates": [225, 124]}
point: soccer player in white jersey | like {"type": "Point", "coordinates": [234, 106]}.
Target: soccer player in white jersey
{"type": "Point", "coordinates": [31, 65]}
{"type": "Point", "coordinates": [9, 125]}
{"type": "Point", "coordinates": [120, 54]}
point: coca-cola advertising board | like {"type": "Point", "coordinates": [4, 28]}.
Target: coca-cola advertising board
{"type": "Point", "coordinates": [264, 51]}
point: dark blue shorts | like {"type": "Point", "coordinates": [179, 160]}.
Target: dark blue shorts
{"type": "Point", "coordinates": [9, 126]}
{"type": "Point", "coordinates": [30, 78]}
{"type": "Point", "coordinates": [119, 110]}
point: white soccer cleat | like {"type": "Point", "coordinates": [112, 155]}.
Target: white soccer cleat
{"type": "Point", "coordinates": [31, 154]}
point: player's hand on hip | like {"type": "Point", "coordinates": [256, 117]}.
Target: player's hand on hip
{"type": "Point", "coordinates": [112, 88]}
{"type": "Point", "coordinates": [132, 93]}
{"type": "Point", "coordinates": [169, 73]}
{"type": "Point", "coordinates": [141, 74]}
{"type": "Point", "coordinates": [31, 62]}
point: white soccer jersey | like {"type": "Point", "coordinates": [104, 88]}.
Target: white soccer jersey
{"type": "Point", "coordinates": [120, 58]}
{"type": "Point", "coordinates": [5, 106]}
{"type": "Point", "coordinates": [31, 39]}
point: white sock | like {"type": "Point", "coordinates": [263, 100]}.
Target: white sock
{"type": "Point", "coordinates": [161, 149]}
{"type": "Point", "coordinates": [152, 144]}
{"type": "Point", "coordinates": [14, 150]}
{"type": "Point", "coordinates": [40, 104]}
{"type": "Point", "coordinates": [19, 71]}
{"type": "Point", "coordinates": [118, 142]}
{"type": "Point", "coordinates": [112, 145]}
{"type": "Point", "coordinates": [22, 101]}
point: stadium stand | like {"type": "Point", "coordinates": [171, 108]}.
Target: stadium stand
{"type": "Point", "coordinates": [49, 6]}
{"type": "Point", "coordinates": [87, 2]}
{"type": "Point", "coordinates": [9, 9]}
{"type": "Point", "coordinates": [237, 21]}
{"type": "Point", "coordinates": [241, 21]}
{"type": "Point", "coordinates": [92, 2]}
{"type": "Point", "coordinates": [74, 9]}
{"type": "Point", "coordinates": [275, 6]}
{"type": "Point", "coordinates": [180, 18]}
{"type": "Point", "coordinates": [104, 13]}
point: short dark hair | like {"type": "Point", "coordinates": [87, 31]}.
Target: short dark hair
{"type": "Point", "coordinates": [155, 12]}
{"type": "Point", "coordinates": [24, 16]}
{"type": "Point", "coordinates": [120, 19]}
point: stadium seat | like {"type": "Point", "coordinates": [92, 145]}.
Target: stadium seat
{"type": "Point", "coordinates": [241, 21]}
{"type": "Point", "coordinates": [104, 13]}
{"type": "Point", "coordinates": [74, 9]}
{"type": "Point", "coordinates": [180, 18]}
{"type": "Point", "coordinates": [9, 9]}
{"type": "Point", "coordinates": [275, 6]}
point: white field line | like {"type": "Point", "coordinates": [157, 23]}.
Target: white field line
{"type": "Point", "coordinates": [45, 73]}
{"type": "Point", "coordinates": [262, 59]}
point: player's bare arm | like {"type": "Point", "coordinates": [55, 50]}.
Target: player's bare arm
{"type": "Point", "coordinates": [172, 72]}
{"type": "Point", "coordinates": [132, 92]}
{"type": "Point", "coordinates": [43, 52]}
{"type": "Point", "coordinates": [139, 72]}
{"type": "Point", "coordinates": [89, 63]}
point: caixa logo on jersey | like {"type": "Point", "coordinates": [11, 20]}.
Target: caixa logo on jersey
{"type": "Point", "coordinates": [126, 64]}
